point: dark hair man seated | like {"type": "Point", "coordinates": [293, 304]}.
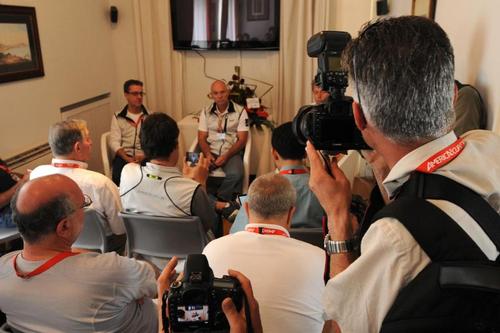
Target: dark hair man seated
{"type": "Point", "coordinates": [289, 156]}
{"type": "Point", "coordinates": [48, 288]}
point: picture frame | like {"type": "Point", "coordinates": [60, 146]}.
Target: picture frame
{"type": "Point", "coordinates": [20, 52]}
{"type": "Point", "coordinates": [425, 8]}
{"type": "Point", "coordinates": [257, 10]}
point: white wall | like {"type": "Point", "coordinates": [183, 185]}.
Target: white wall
{"type": "Point", "coordinates": [75, 39]}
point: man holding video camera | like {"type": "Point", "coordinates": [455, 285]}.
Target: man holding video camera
{"type": "Point", "coordinates": [402, 70]}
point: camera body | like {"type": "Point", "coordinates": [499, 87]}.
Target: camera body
{"type": "Point", "coordinates": [329, 126]}
{"type": "Point", "coordinates": [195, 302]}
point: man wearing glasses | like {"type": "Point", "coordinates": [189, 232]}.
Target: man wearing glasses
{"type": "Point", "coordinates": [125, 129]}
{"type": "Point", "coordinates": [47, 287]}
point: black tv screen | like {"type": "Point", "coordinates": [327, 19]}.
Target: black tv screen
{"type": "Point", "coordinates": [225, 24]}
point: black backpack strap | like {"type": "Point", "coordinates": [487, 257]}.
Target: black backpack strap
{"type": "Point", "coordinates": [432, 186]}
{"type": "Point", "coordinates": [437, 234]}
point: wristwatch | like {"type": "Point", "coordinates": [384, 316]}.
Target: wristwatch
{"type": "Point", "coordinates": [343, 246]}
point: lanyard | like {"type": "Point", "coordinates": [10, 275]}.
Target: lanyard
{"type": "Point", "coordinates": [66, 165]}
{"type": "Point", "coordinates": [220, 117]}
{"type": "Point", "coordinates": [293, 172]}
{"type": "Point", "coordinates": [442, 157]}
{"type": "Point", "coordinates": [267, 231]}
{"type": "Point", "coordinates": [43, 267]}
{"type": "Point", "coordinates": [4, 168]}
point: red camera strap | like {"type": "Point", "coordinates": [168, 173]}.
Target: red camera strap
{"type": "Point", "coordinates": [43, 267]}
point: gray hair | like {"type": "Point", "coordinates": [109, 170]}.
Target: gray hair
{"type": "Point", "coordinates": [63, 135]}
{"type": "Point", "coordinates": [403, 71]}
{"type": "Point", "coordinates": [271, 195]}
{"type": "Point", "coordinates": [43, 220]}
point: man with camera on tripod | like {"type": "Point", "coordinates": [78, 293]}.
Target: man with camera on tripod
{"type": "Point", "coordinates": [402, 70]}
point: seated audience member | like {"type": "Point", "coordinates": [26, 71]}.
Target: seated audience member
{"type": "Point", "coordinates": [470, 112]}
{"type": "Point", "coordinates": [48, 288]}
{"type": "Point", "coordinates": [237, 320]}
{"type": "Point", "coordinates": [71, 146]}
{"type": "Point", "coordinates": [222, 136]}
{"type": "Point", "coordinates": [287, 274]}
{"type": "Point", "coordinates": [319, 95]}
{"type": "Point", "coordinates": [159, 187]}
{"type": "Point", "coordinates": [9, 182]}
{"type": "Point", "coordinates": [408, 121]}
{"type": "Point", "coordinates": [289, 156]}
{"type": "Point", "coordinates": [126, 127]}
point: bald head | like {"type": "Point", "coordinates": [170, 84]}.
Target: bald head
{"type": "Point", "coordinates": [40, 204]}
{"type": "Point", "coordinates": [220, 94]}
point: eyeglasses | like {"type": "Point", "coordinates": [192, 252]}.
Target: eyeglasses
{"type": "Point", "coordinates": [87, 201]}
{"type": "Point", "coordinates": [137, 93]}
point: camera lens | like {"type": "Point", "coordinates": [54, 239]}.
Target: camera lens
{"type": "Point", "coordinates": [300, 124]}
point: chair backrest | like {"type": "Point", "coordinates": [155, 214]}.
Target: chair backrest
{"type": "Point", "coordinates": [107, 154]}
{"type": "Point", "coordinates": [93, 236]}
{"type": "Point", "coordinates": [246, 159]}
{"type": "Point", "coordinates": [164, 237]}
{"type": "Point", "coordinates": [313, 236]}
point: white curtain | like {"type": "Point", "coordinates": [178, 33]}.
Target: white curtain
{"type": "Point", "coordinates": [300, 19]}
{"type": "Point", "coordinates": [159, 65]}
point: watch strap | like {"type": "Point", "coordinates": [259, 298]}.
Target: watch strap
{"type": "Point", "coordinates": [342, 246]}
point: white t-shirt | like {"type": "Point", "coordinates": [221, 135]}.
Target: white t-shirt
{"type": "Point", "coordinates": [88, 292]}
{"type": "Point", "coordinates": [102, 191]}
{"type": "Point", "coordinates": [286, 276]}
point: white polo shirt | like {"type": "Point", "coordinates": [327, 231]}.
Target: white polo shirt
{"type": "Point", "coordinates": [222, 126]}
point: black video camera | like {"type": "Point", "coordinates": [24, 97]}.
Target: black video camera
{"type": "Point", "coordinates": [329, 126]}
{"type": "Point", "coordinates": [194, 304]}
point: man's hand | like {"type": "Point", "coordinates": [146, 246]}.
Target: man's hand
{"type": "Point", "coordinates": [221, 160]}
{"type": "Point", "coordinates": [167, 276]}
{"type": "Point", "coordinates": [237, 320]}
{"type": "Point", "coordinates": [333, 191]}
{"type": "Point", "coordinates": [199, 172]}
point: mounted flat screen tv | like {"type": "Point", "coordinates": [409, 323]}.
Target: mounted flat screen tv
{"type": "Point", "coordinates": [225, 24]}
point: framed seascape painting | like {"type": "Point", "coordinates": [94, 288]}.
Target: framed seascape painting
{"type": "Point", "coordinates": [20, 54]}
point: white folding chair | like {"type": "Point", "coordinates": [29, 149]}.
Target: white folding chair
{"type": "Point", "coordinates": [93, 236]}
{"type": "Point", "coordinates": [163, 237]}
{"type": "Point", "coordinates": [107, 154]}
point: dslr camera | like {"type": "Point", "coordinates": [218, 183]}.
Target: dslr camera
{"type": "Point", "coordinates": [329, 126]}
{"type": "Point", "coordinates": [194, 304]}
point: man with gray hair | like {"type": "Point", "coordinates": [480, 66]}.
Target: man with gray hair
{"type": "Point", "coordinates": [286, 274]}
{"type": "Point", "coordinates": [47, 287]}
{"type": "Point", "coordinates": [71, 147]}
{"type": "Point", "coordinates": [402, 70]}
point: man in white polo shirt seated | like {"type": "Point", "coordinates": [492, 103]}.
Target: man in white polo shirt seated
{"type": "Point", "coordinates": [71, 148]}
{"type": "Point", "coordinates": [286, 274]}
{"type": "Point", "coordinates": [222, 136]}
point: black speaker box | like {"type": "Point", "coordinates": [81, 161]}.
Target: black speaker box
{"type": "Point", "coordinates": [382, 7]}
{"type": "Point", "coordinates": [113, 14]}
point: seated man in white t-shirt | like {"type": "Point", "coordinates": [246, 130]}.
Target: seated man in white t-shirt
{"type": "Point", "coordinates": [48, 288]}
{"type": "Point", "coordinates": [222, 136]}
{"type": "Point", "coordinates": [71, 147]}
{"type": "Point", "coordinates": [286, 274]}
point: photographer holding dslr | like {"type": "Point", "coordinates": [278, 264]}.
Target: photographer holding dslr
{"type": "Point", "coordinates": [194, 291]}
{"type": "Point", "coordinates": [402, 70]}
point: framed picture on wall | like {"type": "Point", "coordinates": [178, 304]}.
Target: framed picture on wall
{"type": "Point", "coordinates": [20, 54]}
{"type": "Point", "coordinates": [258, 10]}
{"type": "Point", "coordinates": [426, 8]}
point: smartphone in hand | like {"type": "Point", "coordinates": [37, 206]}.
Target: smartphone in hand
{"type": "Point", "coordinates": [192, 157]}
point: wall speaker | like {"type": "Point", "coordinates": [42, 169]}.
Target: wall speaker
{"type": "Point", "coordinates": [382, 7]}
{"type": "Point", "coordinates": [113, 14]}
